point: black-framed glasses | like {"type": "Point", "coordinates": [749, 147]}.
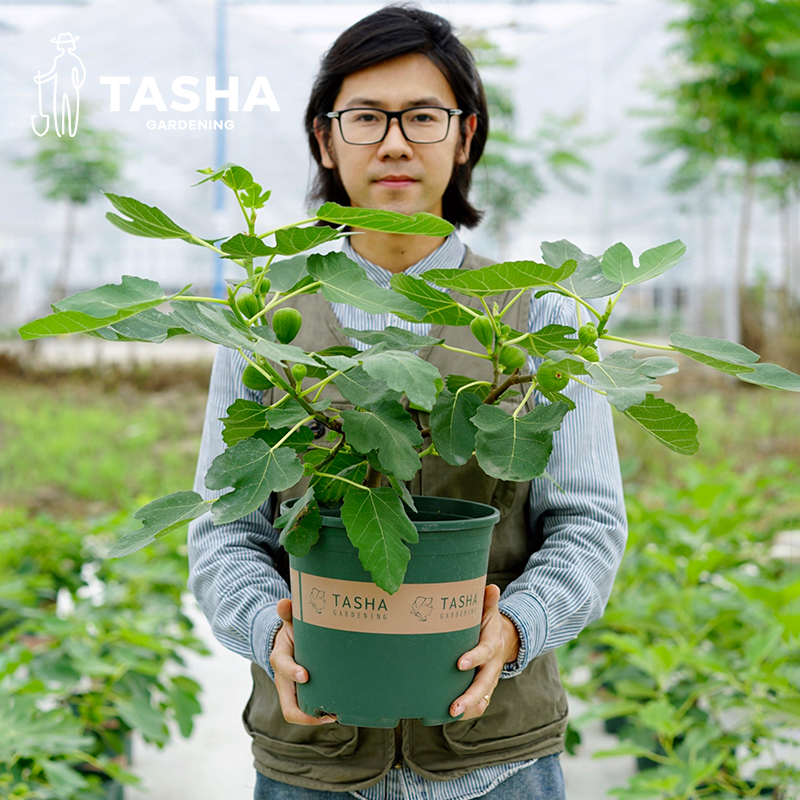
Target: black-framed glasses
{"type": "Point", "coordinates": [420, 125]}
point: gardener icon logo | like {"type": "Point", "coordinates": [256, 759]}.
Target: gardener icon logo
{"type": "Point", "coordinates": [422, 608]}
{"type": "Point", "coordinates": [67, 75]}
{"type": "Point", "coordinates": [317, 600]}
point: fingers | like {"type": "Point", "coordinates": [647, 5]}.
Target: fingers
{"type": "Point", "coordinates": [488, 643]}
{"type": "Point", "coordinates": [288, 672]}
{"type": "Point", "coordinates": [487, 656]}
{"type": "Point", "coordinates": [473, 702]}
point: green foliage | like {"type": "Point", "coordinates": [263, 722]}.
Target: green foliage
{"type": "Point", "coordinates": [392, 391]}
{"type": "Point", "coordinates": [76, 680]}
{"type": "Point", "coordinates": [75, 168]}
{"type": "Point", "coordinates": [696, 653]}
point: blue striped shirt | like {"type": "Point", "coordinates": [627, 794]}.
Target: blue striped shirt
{"type": "Point", "coordinates": [564, 587]}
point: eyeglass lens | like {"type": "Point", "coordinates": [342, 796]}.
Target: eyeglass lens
{"type": "Point", "coordinates": [368, 126]}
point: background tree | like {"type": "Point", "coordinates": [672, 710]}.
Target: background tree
{"type": "Point", "coordinates": [512, 170]}
{"type": "Point", "coordinates": [738, 103]}
{"type": "Point", "coordinates": [74, 169]}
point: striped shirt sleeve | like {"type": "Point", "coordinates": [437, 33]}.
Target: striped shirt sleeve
{"type": "Point", "coordinates": [232, 570]}
{"type": "Point", "coordinates": [566, 584]}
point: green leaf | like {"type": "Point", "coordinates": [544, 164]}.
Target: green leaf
{"type": "Point", "coordinates": [362, 390]}
{"type": "Point", "coordinates": [618, 266]}
{"type": "Point", "coordinates": [673, 428]}
{"type": "Point", "coordinates": [628, 380]}
{"type": "Point", "coordinates": [440, 308]}
{"type": "Point", "coordinates": [407, 373]}
{"type": "Point", "coordinates": [551, 337]}
{"type": "Point", "coordinates": [328, 491]}
{"type": "Point", "coordinates": [144, 220]}
{"type": "Point", "coordinates": [253, 198]}
{"type": "Point", "coordinates": [389, 430]}
{"type": "Point", "coordinates": [27, 732]}
{"type": "Point", "coordinates": [183, 694]}
{"type": "Point", "coordinates": [147, 326]}
{"type": "Point", "coordinates": [456, 382]}
{"type": "Point", "coordinates": [160, 518]}
{"type": "Point", "coordinates": [393, 337]}
{"type": "Point", "coordinates": [289, 241]}
{"type": "Point", "coordinates": [588, 280]}
{"type": "Point", "coordinates": [214, 174]}
{"type": "Point", "coordinates": [245, 417]}
{"type": "Point", "coordinates": [299, 440]}
{"type": "Point", "coordinates": [98, 308]}
{"type": "Point", "coordinates": [237, 178]}
{"type": "Point", "coordinates": [244, 246]}
{"type": "Point", "coordinates": [451, 425]}
{"type": "Point", "coordinates": [772, 377]}
{"type": "Point", "coordinates": [217, 323]}
{"type": "Point", "coordinates": [722, 355]}
{"type": "Point", "coordinates": [285, 275]}
{"type": "Point", "coordinates": [389, 221]}
{"type": "Point", "coordinates": [142, 717]}
{"type": "Point", "coordinates": [64, 780]}
{"type": "Point", "coordinates": [516, 448]}
{"type": "Point", "coordinates": [254, 470]}
{"type": "Point", "coordinates": [344, 281]}
{"type": "Point", "coordinates": [290, 412]}
{"type": "Point", "coordinates": [377, 525]}
{"type": "Point", "coordinates": [402, 491]}
{"type": "Point", "coordinates": [499, 278]}
{"type": "Point", "coordinates": [300, 525]}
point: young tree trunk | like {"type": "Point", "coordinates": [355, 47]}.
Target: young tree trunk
{"type": "Point", "coordinates": [750, 316]}
{"type": "Point", "coordinates": [59, 289]}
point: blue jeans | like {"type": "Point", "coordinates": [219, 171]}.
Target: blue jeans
{"type": "Point", "coordinates": [541, 781]}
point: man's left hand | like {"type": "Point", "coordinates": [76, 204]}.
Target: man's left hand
{"type": "Point", "coordinates": [498, 645]}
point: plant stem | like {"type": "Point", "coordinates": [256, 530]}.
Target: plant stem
{"type": "Point", "coordinates": [267, 371]}
{"type": "Point", "coordinates": [290, 432]}
{"type": "Point", "coordinates": [192, 299]}
{"type": "Point", "coordinates": [515, 378]}
{"type": "Point", "coordinates": [511, 303]}
{"type": "Point", "coordinates": [339, 478]}
{"type": "Point", "coordinates": [637, 344]}
{"type": "Point", "coordinates": [588, 385]}
{"type": "Point", "coordinates": [279, 298]}
{"type": "Point", "coordinates": [320, 385]}
{"type": "Point", "coordinates": [524, 399]}
{"type": "Point", "coordinates": [331, 455]}
{"type": "Point", "coordinates": [373, 479]}
{"type": "Point", "coordinates": [466, 352]}
{"type": "Point", "coordinates": [580, 300]}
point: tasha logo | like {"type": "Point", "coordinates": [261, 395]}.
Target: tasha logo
{"type": "Point", "coordinates": [67, 75]}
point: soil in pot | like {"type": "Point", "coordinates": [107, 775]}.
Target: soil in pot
{"type": "Point", "coordinates": [375, 658]}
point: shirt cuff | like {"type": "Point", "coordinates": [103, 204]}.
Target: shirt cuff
{"type": "Point", "coordinates": [527, 613]}
{"type": "Point", "coordinates": [266, 625]}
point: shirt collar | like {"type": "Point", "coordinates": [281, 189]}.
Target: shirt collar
{"type": "Point", "coordinates": [448, 255]}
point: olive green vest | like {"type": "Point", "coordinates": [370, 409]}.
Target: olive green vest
{"type": "Point", "coordinates": [528, 713]}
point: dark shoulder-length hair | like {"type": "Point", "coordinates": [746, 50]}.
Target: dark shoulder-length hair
{"type": "Point", "coordinates": [397, 30]}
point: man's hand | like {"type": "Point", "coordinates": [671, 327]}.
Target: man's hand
{"type": "Point", "coordinates": [288, 671]}
{"type": "Point", "coordinates": [499, 644]}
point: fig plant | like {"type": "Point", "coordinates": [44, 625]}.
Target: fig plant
{"type": "Point", "coordinates": [271, 448]}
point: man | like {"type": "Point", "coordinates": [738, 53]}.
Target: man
{"type": "Point", "coordinates": [555, 550]}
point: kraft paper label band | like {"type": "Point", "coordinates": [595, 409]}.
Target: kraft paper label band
{"type": "Point", "coordinates": [361, 606]}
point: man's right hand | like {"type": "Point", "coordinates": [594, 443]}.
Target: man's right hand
{"type": "Point", "coordinates": [288, 671]}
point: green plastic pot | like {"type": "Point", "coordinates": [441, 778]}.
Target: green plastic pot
{"type": "Point", "coordinates": [374, 658]}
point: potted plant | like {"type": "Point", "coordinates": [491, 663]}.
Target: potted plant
{"type": "Point", "coordinates": [343, 432]}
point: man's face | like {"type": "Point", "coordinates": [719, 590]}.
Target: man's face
{"type": "Point", "coordinates": [403, 82]}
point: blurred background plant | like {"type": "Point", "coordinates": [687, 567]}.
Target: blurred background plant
{"type": "Point", "coordinates": [74, 170]}
{"type": "Point", "coordinates": [514, 170]}
{"type": "Point", "coordinates": [694, 664]}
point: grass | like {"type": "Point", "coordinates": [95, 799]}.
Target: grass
{"type": "Point", "coordinates": [76, 445]}
{"type": "Point", "coordinates": [71, 446]}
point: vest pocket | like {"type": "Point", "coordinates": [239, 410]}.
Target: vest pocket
{"type": "Point", "coordinates": [472, 744]}
{"type": "Point", "coordinates": [320, 743]}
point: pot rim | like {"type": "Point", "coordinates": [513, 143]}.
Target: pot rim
{"type": "Point", "coordinates": [472, 515]}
